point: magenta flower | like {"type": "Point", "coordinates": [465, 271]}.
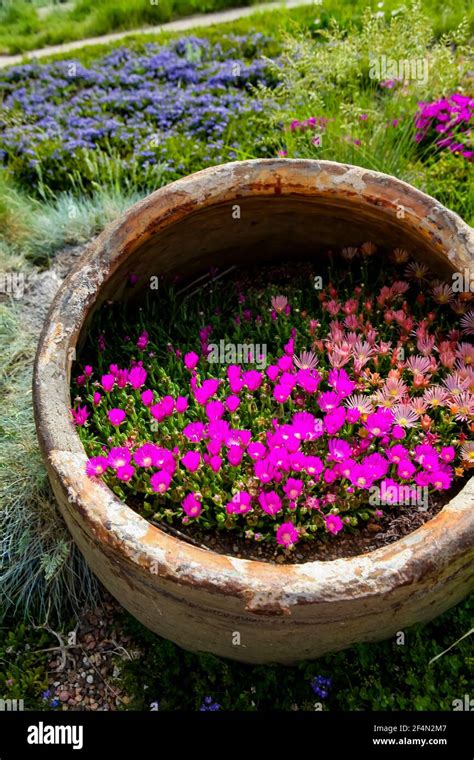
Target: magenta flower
{"type": "Point", "coordinates": [234, 455]}
{"type": "Point", "coordinates": [191, 505]}
{"type": "Point", "coordinates": [181, 404]}
{"type": "Point", "coordinates": [240, 504]}
{"type": "Point", "coordinates": [287, 535]}
{"type": "Point", "coordinates": [125, 473]}
{"type": "Point", "coordinates": [191, 460]}
{"type": "Point", "coordinates": [252, 379]}
{"type": "Point", "coordinates": [256, 450]}
{"type": "Point", "coordinates": [96, 466]}
{"type": "Point", "coordinates": [147, 397]}
{"type": "Point", "coordinates": [96, 398]}
{"type": "Point", "coordinates": [380, 422]}
{"type": "Point", "coordinates": [160, 481]}
{"type": "Point", "coordinates": [142, 341]}
{"type": "Point", "coordinates": [232, 403]}
{"type": "Point", "coordinates": [80, 415]}
{"type": "Point", "coordinates": [270, 502]}
{"type": "Point", "coordinates": [191, 360]}
{"type": "Point", "coordinates": [333, 421]}
{"type": "Point", "coordinates": [107, 382]}
{"type": "Point", "coordinates": [293, 488]}
{"type": "Point", "coordinates": [272, 372]}
{"type": "Point", "coordinates": [215, 463]}
{"type": "Point", "coordinates": [440, 480]}
{"type": "Point", "coordinates": [119, 457]}
{"type": "Point", "coordinates": [405, 469]}
{"type": "Point", "coordinates": [194, 432]}
{"type": "Point", "coordinates": [340, 381]}
{"type": "Point", "coordinates": [116, 416]}
{"type": "Point", "coordinates": [137, 377]}
{"type": "Point", "coordinates": [447, 454]}
{"type": "Point", "coordinates": [281, 393]}
{"type": "Point", "coordinates": [215, 410]}
{"type": "Point", "coordinates": [208, 389]}
{"type": "Point", "coordinates": [334, 523]}
{"type": "Point", "coordinates": [147, 455]}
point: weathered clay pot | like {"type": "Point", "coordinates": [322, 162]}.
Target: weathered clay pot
{"type": "Point", "coordinates": [197, 598]}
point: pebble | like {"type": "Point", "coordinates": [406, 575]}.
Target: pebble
{"type": "Point", "coordinates": [90, 679]}
{"type": "Point", "coordinates": [64, 696]}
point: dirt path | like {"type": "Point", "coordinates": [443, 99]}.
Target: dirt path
{"type": "Point", "coordinates": [181, 25]}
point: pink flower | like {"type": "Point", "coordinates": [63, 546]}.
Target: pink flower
{"type": "Point", "coordinates": [194, 431]}
{"type": "Point", "coordinates": [118, 457]}
{"type": "Point", "coordinates": [181, 404]}
{"type": "Point", "coordinates": [333, 421]}
{"type": "Point", "coordinates": [116, 416]}
{"type": "Point", "coordinates": [287, 535]}
{"type": "Point", "coordinates": [232, 403]}
{"type": "Point", "coordinates": [215, 463]}
{"type": "Point", "coordinates": [256, 450]}
{"type": "Point", "coordinates": [96, 398]}
{"type": "Point", "coordinates": [272, 372]}
{"type": "Point", "coordinates": [215, 410]}
{"type": "Point", "coordinates": [191, 505]}
{"type": "Point", "coordinates": [80, 415]}
{"type": "Point", "coordinates": [285, 363]}
{"type": "Point", "coordinates": [125, 473]}
{"type": "Point", "coordinates": [240, 504]}
{"type": "Point", "coordinates": [234, 455]}
{"type": "Point", "coordinates": [160, 481]}
{"type": "Point", "coordinates": [313, 465]}
{"type": "Point", "coordinates": [191, 360]}
{"type": "Point", "coordinates": [447, 454]}
{"type": "Point", "coordinates": [147, 455]}
{"type": "Point", "coordinates": [142, 341]}
{"type": "Point", "coordinates": [96, 466]}
{"type": "Point", "coordinates": [270, 502]}
{"type": "Point", "coordinates": [107, 382]}
{"type": "Point", "coordinates": [441, 481]}
{"type": "Point", "coordinates": [191, 460]}
{"type": "Point", "coordinates": [167, 405]}
{"type": "Point", "coordinates": [340, 381]}
{"type": "Point", "coordinates": [252, 379]}
{"type": "Point", "coordinates": [405, 469]}
{"type": "Point", "coordinates": [208, 389]}
{"type": "Point", "coordinates": [137, 377]}
{"type": "Point", "coordinates": [333, 524]}
{"type": "Point", "coordinates": [293, 488]}
{"type": "Point", "coordinates": [380, 422]}
{"type": "Point", "coordinates": [281, 393]}
{"type": "Point", "coordinates": [147, 397]}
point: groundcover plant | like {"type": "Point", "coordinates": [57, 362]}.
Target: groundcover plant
{"type": "Point", "coordinates": [294, 408]}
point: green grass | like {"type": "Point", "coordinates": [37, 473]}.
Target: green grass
{"type": "Point", "coordinates": [41, 570]}
{"type": "Point", "coordinates": [23, 29]}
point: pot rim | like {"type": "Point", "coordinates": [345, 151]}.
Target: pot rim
{"type": "Point", "coordinates": [95, 509]}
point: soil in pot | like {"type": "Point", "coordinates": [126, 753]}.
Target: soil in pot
{"type": "Point", "coordinates": [285, 413]}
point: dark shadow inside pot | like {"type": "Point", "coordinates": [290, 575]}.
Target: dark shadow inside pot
{"type": "Point", "coordinates": [267, 229]}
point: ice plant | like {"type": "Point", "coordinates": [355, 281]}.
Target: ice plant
{"type": "Point", "coordinates": [369, 385]}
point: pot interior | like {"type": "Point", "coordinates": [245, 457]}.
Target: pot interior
{"type": "Point", "coordinates": [267, 229]}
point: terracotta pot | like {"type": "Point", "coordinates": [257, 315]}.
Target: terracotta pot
{"type": "Point", "coordinates": [242, 609]}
